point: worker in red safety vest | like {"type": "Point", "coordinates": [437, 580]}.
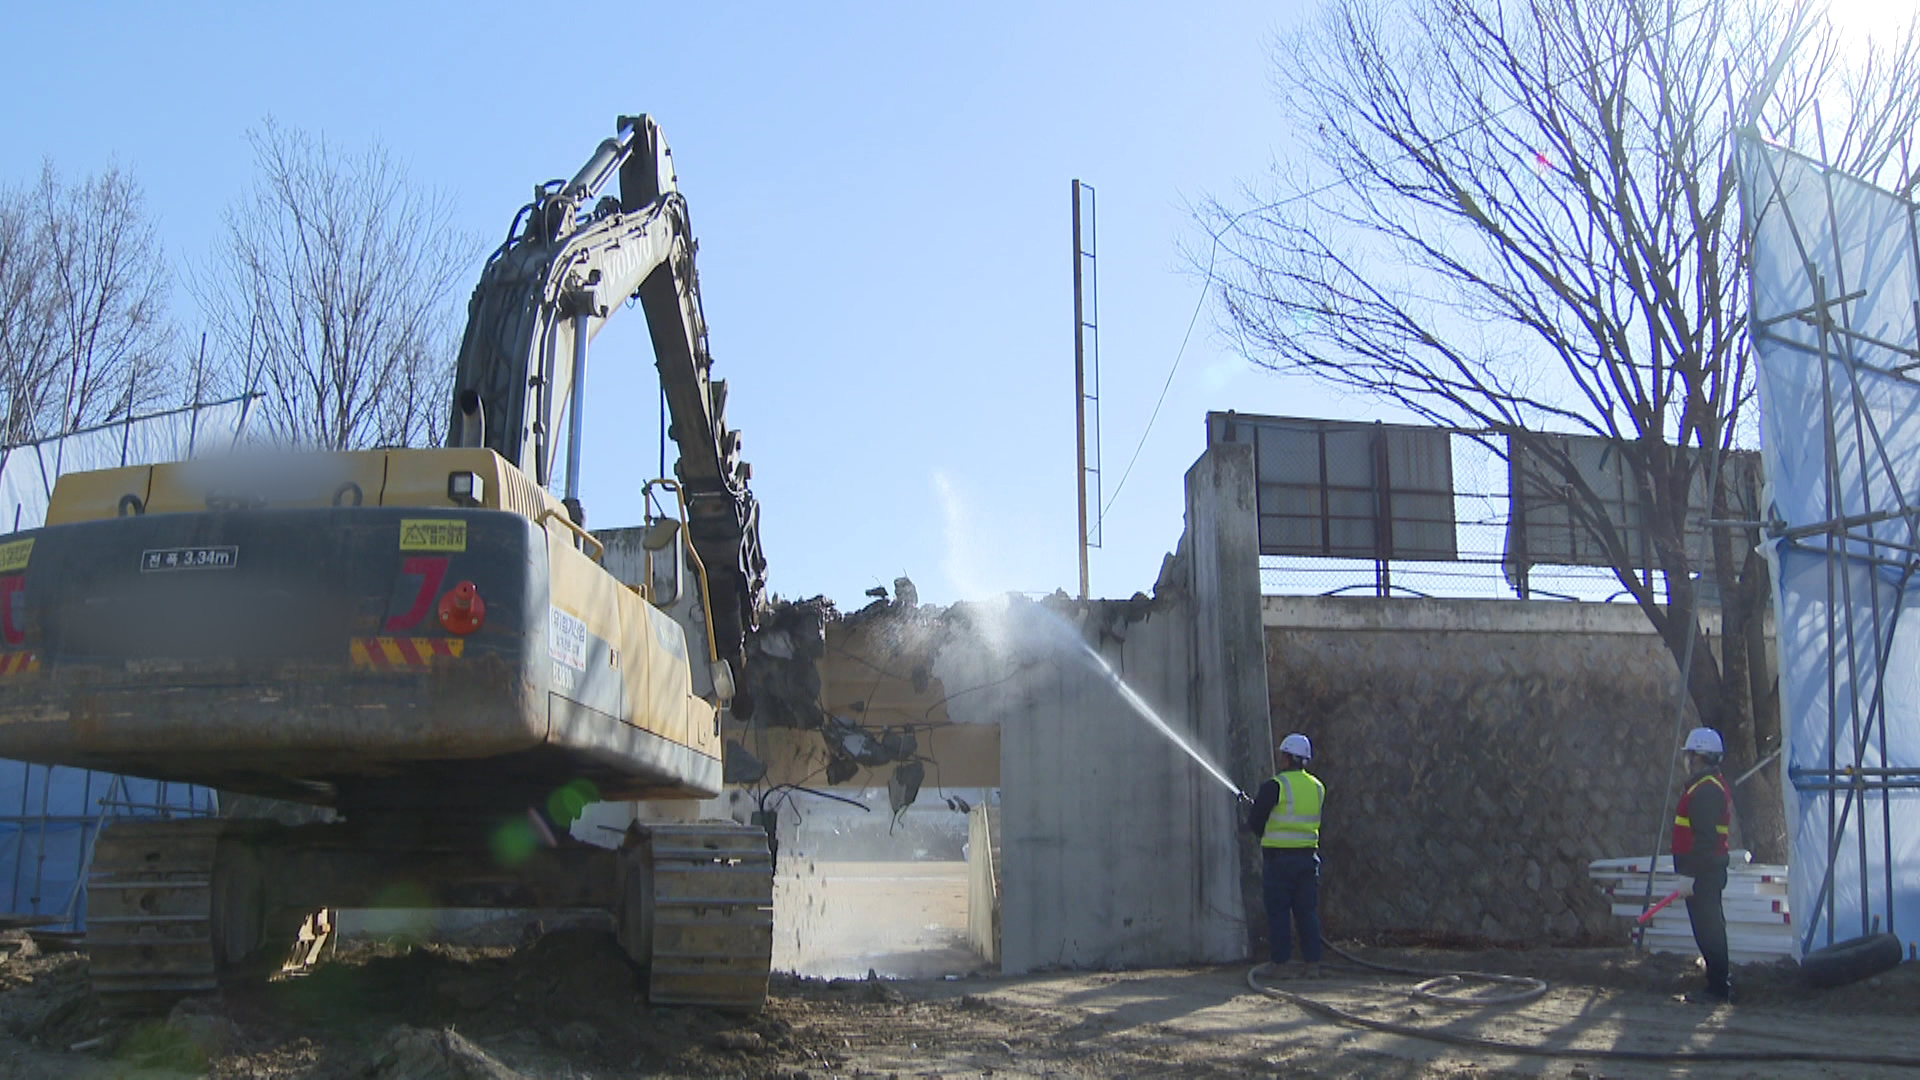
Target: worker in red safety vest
{"type": "Point", "coordinates": [1285, 815]}
{"type": "Point", "coordinates": [1700, 827]}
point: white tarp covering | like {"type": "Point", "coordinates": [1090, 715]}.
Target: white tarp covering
{"type": "Point", "coordinates": [1840, 438]}
{"type": "Point", "coordinates": [49, 816]}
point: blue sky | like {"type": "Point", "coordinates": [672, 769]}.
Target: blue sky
{"type": "Point", "coordinates": [881, 197]}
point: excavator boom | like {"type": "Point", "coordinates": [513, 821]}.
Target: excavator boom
{"type": "Point", "coordinates": [571, 258]}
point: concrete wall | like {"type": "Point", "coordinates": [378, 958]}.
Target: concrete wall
{"type": "Point", "coordinates": [1477, 755]}
{"type": "Point", "coordinates": [1116, 849]}
{"type": "Point", "coordinates": [983, 882]}
{"type": "Point", "coordinates": [1221, 549]}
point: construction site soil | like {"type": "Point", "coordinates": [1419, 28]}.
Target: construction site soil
{"type": "Point", "coordinates": [565, 1004]}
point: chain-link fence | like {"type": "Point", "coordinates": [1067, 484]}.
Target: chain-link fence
{"type": "Point", "coordinates": [29, 470]}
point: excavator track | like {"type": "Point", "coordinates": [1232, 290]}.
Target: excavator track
{"type": "Point", "coordinates": [166, 921]}
{"type": "Point", "coordinates": [150, 913]}
{"type": "Point", "coordinates": [710, 908]}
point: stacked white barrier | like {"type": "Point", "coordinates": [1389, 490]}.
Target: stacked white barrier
{"type": "Point", "coordinates": [1759, 921]}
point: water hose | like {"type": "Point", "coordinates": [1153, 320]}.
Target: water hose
{"type": "Point", "coordinates": [1529, 989]}
{"type": "Point", "coordinates": [1522, 988]}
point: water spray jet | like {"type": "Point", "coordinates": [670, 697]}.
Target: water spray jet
{"type": "Point", "coordinates": [1147, 713]}
{"type": "Point", "coordinates": [1051, 632]}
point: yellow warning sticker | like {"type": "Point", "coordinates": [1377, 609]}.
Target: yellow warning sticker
{"type": "Point", "coordinates": [425, 534]}
{"type": "Point", "coordinates": [14, 556]}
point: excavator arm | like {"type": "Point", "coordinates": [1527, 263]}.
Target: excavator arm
{"type": "Point", "coordinates": [571, 258]}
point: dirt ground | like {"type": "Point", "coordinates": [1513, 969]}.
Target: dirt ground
{"type": "Point", "coordinates": [564, 1005]}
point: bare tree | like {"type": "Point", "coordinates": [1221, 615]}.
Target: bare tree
{"type": "Point", "coordinates": [1522, 216]}
{"type": "Point", "coordinates": [84, 334]}
{"type": "Point", "coordinates": [331, 294]}
{"type": "Point", "coordinates": [26, 320]}
{"type": "Point", "coordinates": [418, 406]}
{"type": "Point", "coordinates": [110, 287]}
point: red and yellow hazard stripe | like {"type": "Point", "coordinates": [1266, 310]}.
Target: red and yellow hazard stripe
{"type": "Point", "coordinates": [19, 663]}
{"type": "Point", "coordinates": [390, 653]}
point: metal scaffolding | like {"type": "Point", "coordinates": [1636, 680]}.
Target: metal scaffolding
{"type": "Point", "coordinates": [49, 819]}
{"type": "Point", "coordinates": [1835, 323]}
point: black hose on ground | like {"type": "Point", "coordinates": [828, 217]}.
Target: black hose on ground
{"type": "Point", "coordinates": [1525, 989]}
{"type": "Point", "coordinates": [1530, 993]}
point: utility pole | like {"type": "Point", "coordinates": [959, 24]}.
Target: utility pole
{"type": "Point", "coordinates": [1086, 355]}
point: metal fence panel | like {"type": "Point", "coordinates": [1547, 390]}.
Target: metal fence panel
{"type": "Point", "coordinates": [1342, 489]}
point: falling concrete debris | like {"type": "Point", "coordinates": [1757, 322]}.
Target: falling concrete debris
{"type": "Point", "coordinates": [903, 787]}
{"type": "Point", "coordinates": [891, 637]}
{"type": "Point", "coordinates": [740, 766]}
{"type": "Point", "coordinates": [783, 655]}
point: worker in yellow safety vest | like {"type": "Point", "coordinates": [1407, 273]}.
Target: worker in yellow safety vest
{"type": "Point", "coordinates": [1701, 823]}
{"type": "Point", "coordinates": [1285, 815]}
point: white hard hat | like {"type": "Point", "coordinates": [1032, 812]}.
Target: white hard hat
{"type": "Point", "coordinates": [1705, 740]}
{"type": "Point", "coordinates": [1297, 745]}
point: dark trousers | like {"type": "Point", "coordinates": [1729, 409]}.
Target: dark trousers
{"type": "Point", "coordinates": [1710, 926]}
{"type": "Point", "coordinates": [1290, 882]}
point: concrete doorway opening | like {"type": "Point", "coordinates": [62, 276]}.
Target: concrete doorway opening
{"type": "Point", "coordinates": [860, 891]}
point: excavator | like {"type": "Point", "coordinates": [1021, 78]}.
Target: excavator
{"type": "Point", "coordinates": [422, 643]}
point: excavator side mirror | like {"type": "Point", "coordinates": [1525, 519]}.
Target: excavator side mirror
{"type": "Point", "coordinates": [659, 534]}
{"type": "Point", "coordinates": [723, 687]}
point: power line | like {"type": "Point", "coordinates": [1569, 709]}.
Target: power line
{"type": "Point", "coordinates": [1233, 223]}
{"type": "Point", "coordinates": [1198, 303]}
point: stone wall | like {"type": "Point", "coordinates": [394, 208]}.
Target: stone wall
{"type": "Point", "coordinates": [1477, 755]}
